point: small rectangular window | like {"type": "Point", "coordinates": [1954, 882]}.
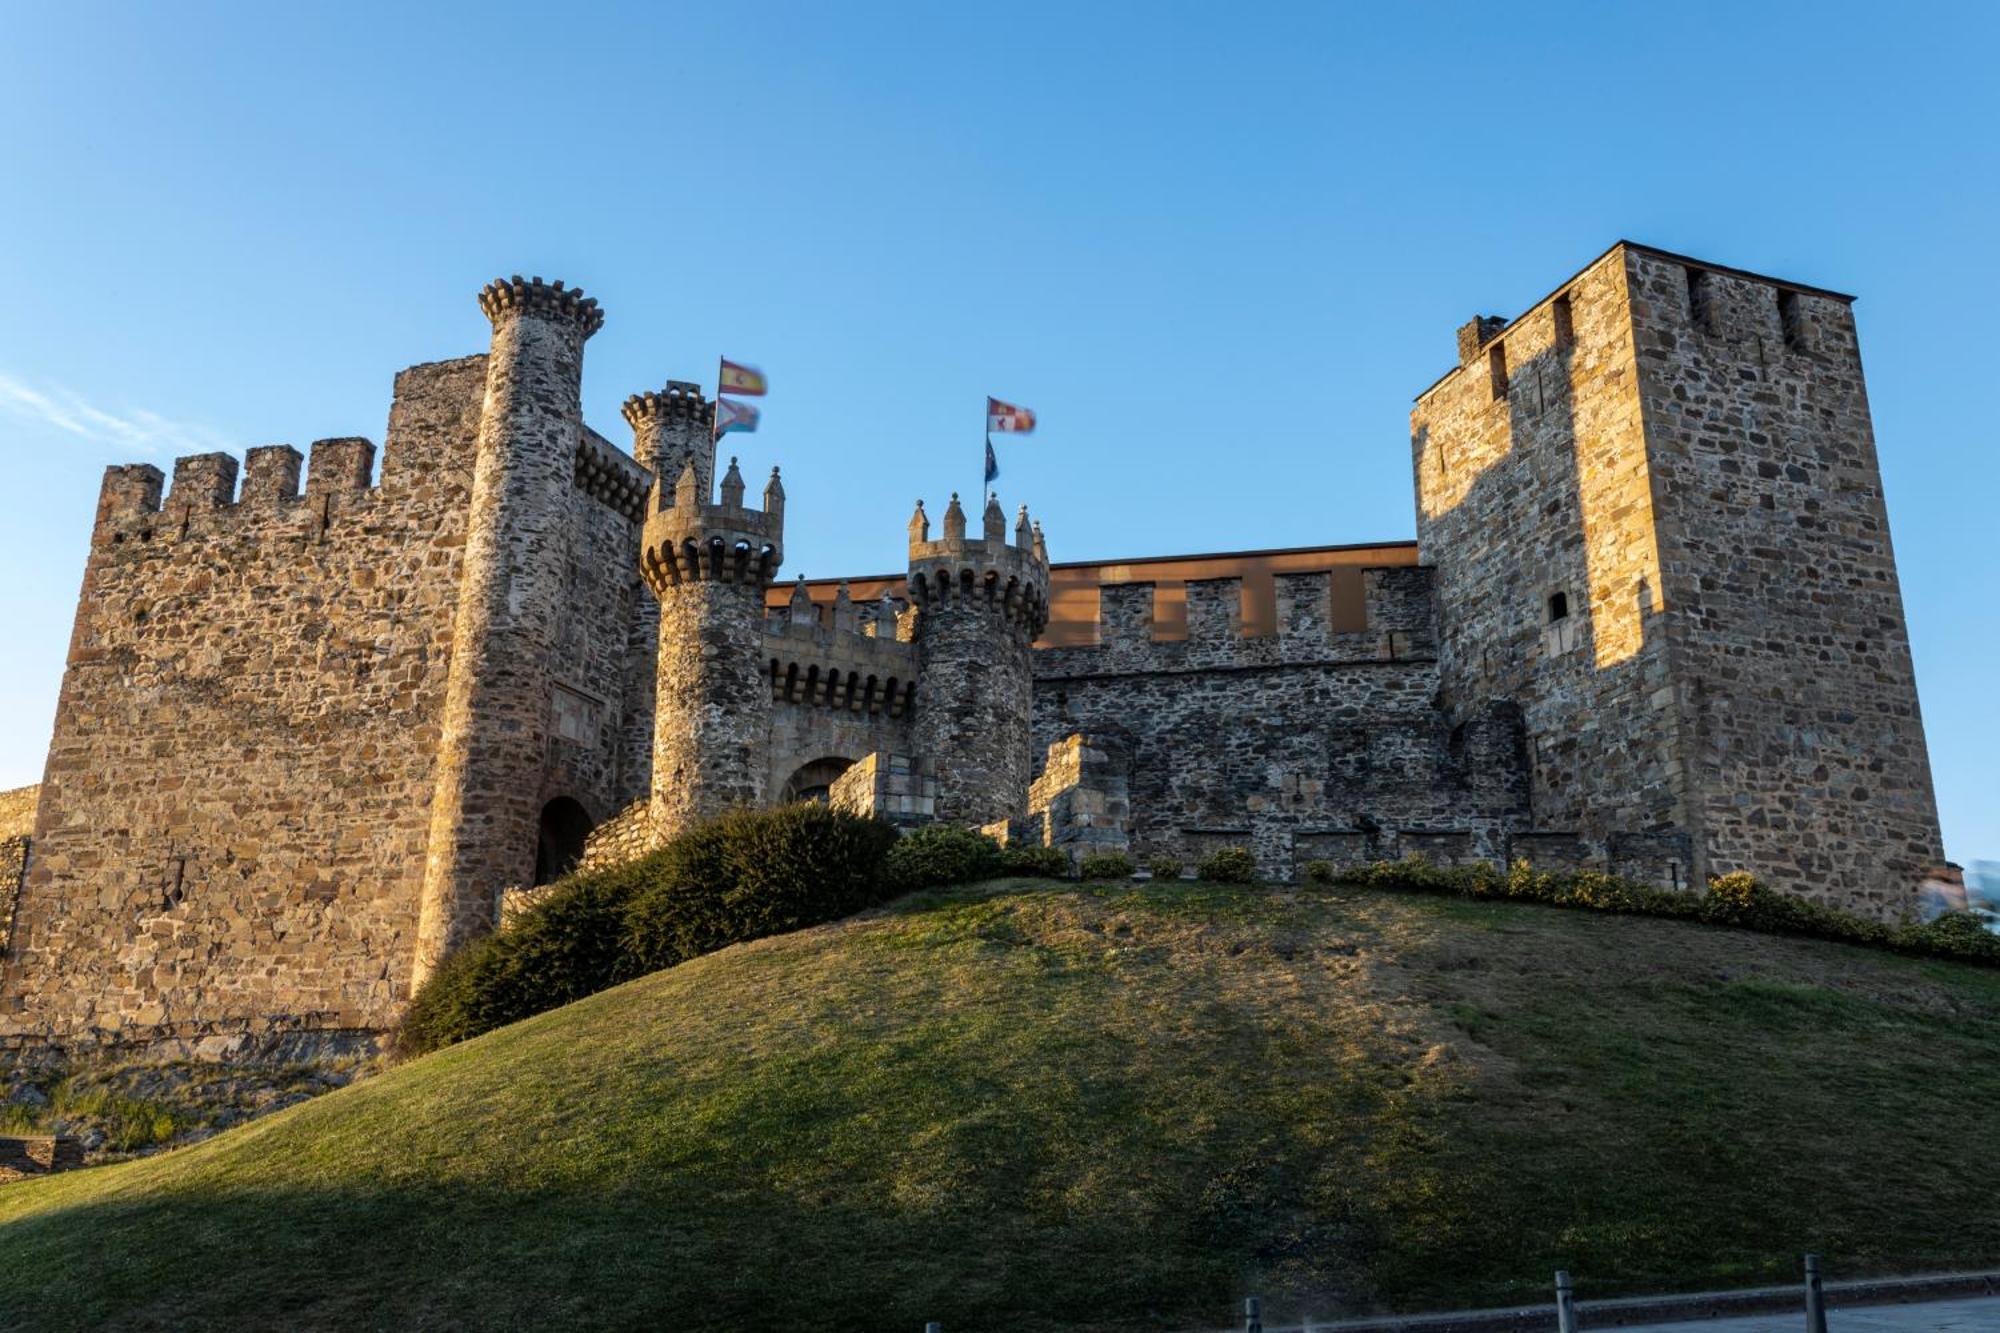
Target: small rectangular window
{"type": "Point", "coordinates": [1699, 298]}
{"type": "Point", "coordinates": [1496, 367]}
{"type": "Point", "coordinates": [1565, 327]}
{"type": "Point", "coordinates": [1558, 606]}
{"type": "Point", "coordinates": [1789, 321]}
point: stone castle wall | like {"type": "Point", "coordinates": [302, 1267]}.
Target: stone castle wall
{"type": "Point", "coordinates": [1801, 731]}
{"type": "Point", "coordinates": [17, 811]}
{"type": "Point", "coordinates": [1307, 744]}
{"type": "Point", "coordinates": [1655, 512]}
{"type": "Point", "coordinates": [1532, 484]}
{"type": "Point", "coordinates": [239, 787]}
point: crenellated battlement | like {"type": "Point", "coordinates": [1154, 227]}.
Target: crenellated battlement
{"type": "Point", "coordinates": [504, 298]}
{"type": "Point", "coordinates": [1397, 599]}
{"type": "Point", "coordinates": [608, 476]}
{"type": "Point", "coordinates": [986, 572]}
{"type": "Point", "coordinates": [844, 662]}
{"type": "Point", "coordinates": [136, 499]}
{"type": "Point", "coordinates": [679, 400]}
{"type": "Point", "coordinates": [688, 539]}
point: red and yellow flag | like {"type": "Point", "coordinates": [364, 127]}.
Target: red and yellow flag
{"type": "Point", "coordinates": [745, 380]}
{"type": "Point", "coordinates": [1007, 418]}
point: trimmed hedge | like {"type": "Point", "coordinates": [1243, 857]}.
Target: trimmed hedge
{"type": "Point", "coordinates": [1731, 900]}
{"type": "Point", "coordinates": [1107, 865]}
{"type": "Point", "coordinates": [1037, 862]}
{"type": "Point", "coordinates": [1165, 867]}
{"type": "Point", "coordinates": [1228, 865]}
{"type": "Point", "coordinates": [740, 877]}
{"type": "Point", "coordinates": [939, 854]}
{"type": "Point", "coordinates": [1319, 872]}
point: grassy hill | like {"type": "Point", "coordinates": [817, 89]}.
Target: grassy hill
{"type": "Point", "coordinates": [1033, 1107]}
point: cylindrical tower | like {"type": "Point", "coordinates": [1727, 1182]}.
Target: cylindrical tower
{"type": "Point", "coordinates": [486, 805]}
{"type": "Point", "coordinates": [709, 565]}
{"type": "Point", "coordinates": [980, 606]}
{"type": "Point", "coordinates": [672, 428]}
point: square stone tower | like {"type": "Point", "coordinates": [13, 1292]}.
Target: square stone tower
{"type": "Point", "coordinates": [1656, 517]}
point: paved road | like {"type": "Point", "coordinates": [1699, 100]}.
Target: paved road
{"type": "Point", "coordinates": [1978, 1315]}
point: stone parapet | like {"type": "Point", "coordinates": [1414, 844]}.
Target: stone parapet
{"type": "Point", "coordinates": [898, 788]}
{"type": "Point", "coordinates": [1082, 801]}
{"type": "Point", "coordinates": [689, 540]}
{"type": "Point", "coordinates": [504, 298]}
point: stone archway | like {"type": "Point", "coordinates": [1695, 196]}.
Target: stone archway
{"type": "Point", "coordinates": [559, 846]}
{"type": "Point", "coordinates": [813, 781]}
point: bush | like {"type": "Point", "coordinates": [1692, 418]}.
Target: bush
{"type": "Point", "coordinates": [1228, 865]}
{"type": "Point", "coordinates": [938, 854]}
{"type": "Point", "coordinates": [1735, 899]}
{"type": "Point", "coordinates": [1165, 867]}
{"type": "Point", "coordinates": [1319, 872]}
{"type": "Point", "coordinates": [740, 877]}
{"type": "Point", "coordinates": [1107, 865]}
{"type": "Point", "coordinates": [1036, 862]}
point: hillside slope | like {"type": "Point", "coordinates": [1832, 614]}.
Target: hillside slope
{"type": "Point", "coordinates": [1035, 1107]}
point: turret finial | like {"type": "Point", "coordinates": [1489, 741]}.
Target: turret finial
{"type": "Point", "coordinates": [687, 491]}
{"type": "Point", "coordinates": [994, 520]}
{"type": "Point", "coordinates": [846, 620]}
{"type": "Point", "coordinates": [802, 610]}
{"type": "Point", "coordinates": [774, 494]}
{"type": "Point", "coordinates": [1024, 536]}
{"type": "Point", "coordinates": [1041, 545]}
{"type": "Point", "coordinates": [920, 525]}
{"type": "Point", "coordinates": [954, 520]}
{"type": "Point", "coordinates": [732, 487]}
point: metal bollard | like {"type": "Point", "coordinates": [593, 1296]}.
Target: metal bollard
{"type": "Point", "coordinates": [1253, 1315]}
{"type": "Point", "coordinates": [1565, 1303]}
{"type": "Point", "coordinates": [1815, 1298]}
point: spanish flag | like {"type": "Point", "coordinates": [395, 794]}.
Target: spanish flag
{"type": "Point", "coordinates": [745, 380]}
{"type": "Point", "coordinates": [1005, 418]}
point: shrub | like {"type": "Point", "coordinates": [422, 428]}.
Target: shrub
{"type": "Point", "coordinates": [1165, 867]}
{"type": "Point", "coordinates": [1319, 872]}
{"type": "Point", "coordinates": [740, 877]}
{"type": "Point", "coordinates": [1228, 865]}
{"type": "Point", "coordinates": [1107, 865]}
{"type": "Point", "coordinates": [940, 854]}
{"type": "Point", "coordinates": [1036, 862]}
{"type": "Point", "coordinates": [1735, 899]}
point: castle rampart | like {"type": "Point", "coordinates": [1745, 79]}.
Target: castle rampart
{"type": "Point", "coordinates": [313, 726]}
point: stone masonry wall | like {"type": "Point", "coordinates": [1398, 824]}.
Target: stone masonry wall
{"type": "Point", "coordinates": [1301, 745]}
{"type": "Point", "coordinates": [1802, 731]}
{"type": "Point", "coordinates": [17, 811]}
{"type": "Point", "coordinates": [1532, 485]}
{"type": "Point", "coordinates": [238, 788]}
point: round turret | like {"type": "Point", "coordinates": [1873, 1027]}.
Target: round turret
{"type": "Point", "coordinates": [485, 810]}
{"type": "Point", "coordinates": [709, 565]}
{"type": "Point", "coordinates": [671, 427]}
{"type": "Point", "coordinates": [980, 606]}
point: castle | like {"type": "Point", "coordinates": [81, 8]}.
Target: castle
{"type": "Point", "coordinates": [310, 737]}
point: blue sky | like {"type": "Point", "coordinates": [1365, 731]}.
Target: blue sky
{"type": "Point", "coordinates": [1219, 248]}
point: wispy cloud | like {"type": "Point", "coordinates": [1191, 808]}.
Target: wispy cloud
{"type": "Point", "coordinates": [135, 429]}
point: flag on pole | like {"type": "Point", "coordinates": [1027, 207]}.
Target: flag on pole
{"type": "Point", "coordinates": [992, 464]}
{"type": "Point", "coordinates": [734, 416]}
{"type": "Point", "coordinates": [746, 380]}
{"type": "Point", "coordinates": [1007, 418]}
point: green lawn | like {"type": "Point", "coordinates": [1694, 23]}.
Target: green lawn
{"type": "Point", "coordinates": [1029, 1107]}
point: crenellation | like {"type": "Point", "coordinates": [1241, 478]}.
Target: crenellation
{"type": "Point", "coordinates": [338, 466]}
{"type": "Point", "coordinates": [203, 481]}
{"type": "Point", "coordinates": [271, 472]}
